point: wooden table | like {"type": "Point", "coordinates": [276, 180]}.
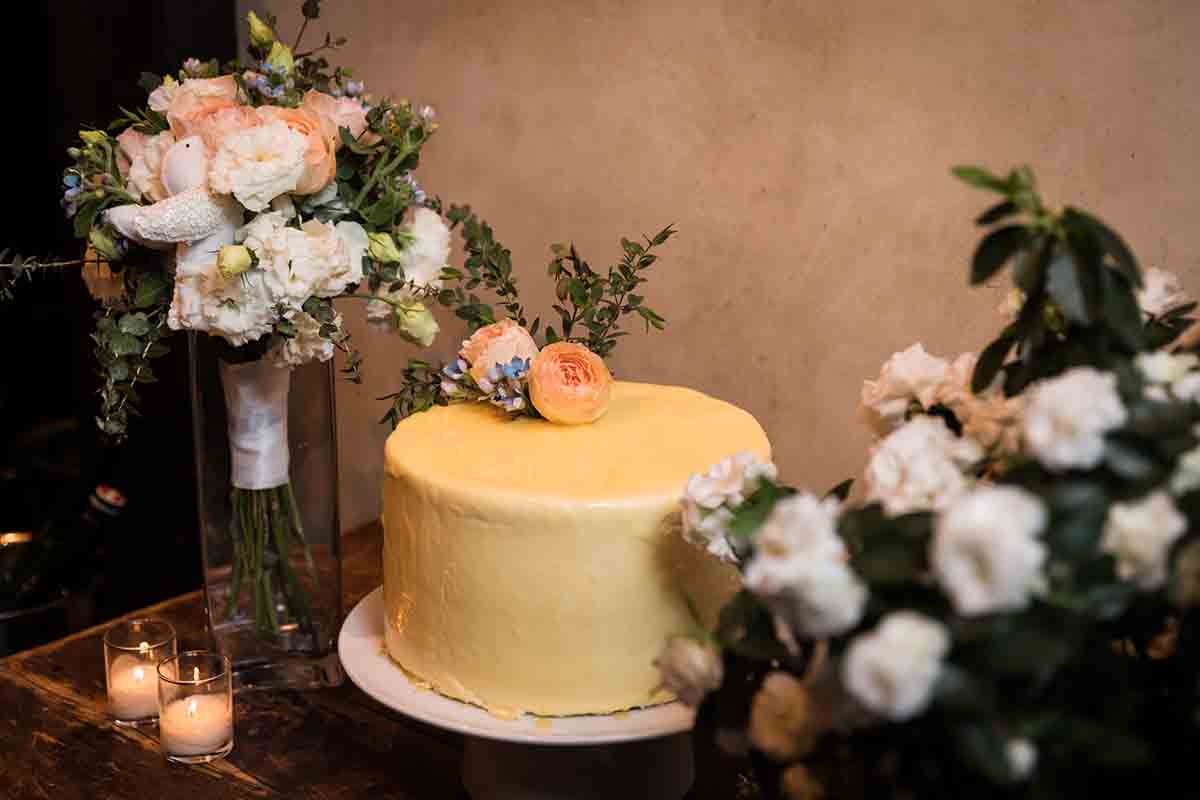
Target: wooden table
{"type": "Point", "coordinates": [56, 740]}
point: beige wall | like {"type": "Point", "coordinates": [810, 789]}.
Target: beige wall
{"type": "Point", "coordinates": [802, 149]}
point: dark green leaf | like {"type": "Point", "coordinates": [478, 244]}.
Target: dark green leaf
{"type": "Point", "coordinates": [842, 490]}
{"type": "Point", "coordinates": [1065, 284]}
{"type": "Point", "coordinates": [151, 290]}
{"type": "Point", "coordinates": [1112, 243]}
{"type": "Point", "coordinates": [980, 178]}
{"type": "Point", "coordinates": [984, 751]}
{"type": "Point", "coordinates": [135, 323]}
{"type": "Point", "coordinates": [990, 362]}
{"type": "Point", "coordinates": [995, 250]}
{"type": "Point", "coordinates": [997, 213]}
{"type": "Point", "coordinates": [123, 344]}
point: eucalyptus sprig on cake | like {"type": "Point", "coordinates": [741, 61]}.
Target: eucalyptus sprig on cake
{"type": "Point", "coordinates": [501, 363]}
{"type": "Point", "coordinates": [1013, 609]}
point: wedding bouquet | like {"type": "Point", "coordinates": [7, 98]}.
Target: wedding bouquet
{"type": "Point", "coordinates": [1013, 611]}
{"type": "Point", "coordinates": [241, 202]}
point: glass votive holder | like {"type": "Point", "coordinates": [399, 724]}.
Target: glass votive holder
{"type": "Point", "coordinates": [132, 650]}
{"type": "Point", "coordinates": [195, 695]}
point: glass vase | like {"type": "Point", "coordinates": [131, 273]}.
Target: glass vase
{"type": "Point", "coordinates": [266, 470]}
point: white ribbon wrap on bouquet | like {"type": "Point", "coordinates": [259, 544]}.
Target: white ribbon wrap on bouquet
{"type": "Point", "coordinates": [256, 403]}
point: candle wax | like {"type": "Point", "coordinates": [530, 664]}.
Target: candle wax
{"type": "Point", "coordinates": [132, 689]}
{"type": "Point", "coordinates": [197, 725]}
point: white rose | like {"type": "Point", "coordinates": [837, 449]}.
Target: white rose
{"type": "Point", "coordinates": [919, 467]}
{"type": "Point", "coordinates": [427, 251]}
{"type": "Point", "coordinates": [799, 568]}
{"type": "Point", "coordinates": [1066, 418]}
{"type": "Point", "coordinates": [1161, 291]}
{"type": "Point", "coordinates": [689, 669]}
{"type": "Point", "coordinates": [307, 344]}
{"type": "Point", "coordinates": [1140, 535]}
{"type": "Point", "coordinates": [1186, 477]}
{"type": "Point", "coordinates": [912, 375]}
{"type": "Point", "coordinates": [1163, 368]}
{"type": "Point", "coordinates": [258, 164]}
{"type": "Point", "coordinates": [985, 551]}
{"type": "Point", "coordinates": [892, 669]}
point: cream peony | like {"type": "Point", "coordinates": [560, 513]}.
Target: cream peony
{"type": "Point", "coordinates": [258, 164]}
{"type": "Point", "coordinates": [919, 467]}
{"type": "Point", "coordinates": [985, 551]}
{"type": "Point", "coordinates": [307, 344]}
{"type": "Point", "coordinates": [427, 251]}
{"type": "Point", "coordinates": [689, 669]}
{"type": "Point", "coordinates": [1161, 291]}
{"type": "Point", "coordinates": [142, 161]}
{"type": "Point", "coordinates": [799, 569]}
{"type": "Point", "coordinates": [1140, 535]}
{"type": "Point", "coordinates": [317, 259]}
{"type": "Point", "coordinates": [892, 669]}
{"type": "Point", "coordinates": [1066, 418]}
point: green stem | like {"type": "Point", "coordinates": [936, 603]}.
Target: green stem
{"type": "Point", "coordinates": [382, 168]}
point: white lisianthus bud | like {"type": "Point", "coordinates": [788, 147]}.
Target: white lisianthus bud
{"type": "Point", "coordinates": [261, 34]}
{"type": "Point", "coordinates": [892, 669]}
{"type": "Point", "coordinates": [1140, 536]}
{"type": "Point", "coordinates": [416, 322]}
{"type": "Point", "coordinates": [985, 551]}
{"type": "Point", "coordinates": [233, 260]}
{"type": "Point", "coordinates": [689, 669]}
{"type": "Point", "coordinates": [1067, 417]}
{"type": "Point", "coordinates": [383, 248]}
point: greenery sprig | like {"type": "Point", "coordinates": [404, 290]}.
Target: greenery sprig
{"type": "Point", "coordinates": [420, 390]}
{"type": "Point", "coordinates": [1078, 278]}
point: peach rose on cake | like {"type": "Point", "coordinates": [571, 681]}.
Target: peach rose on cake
{"type": "Point", "coordinates": [569, 384]}
{"type": "Point", "coordinates": [335, 113]}
{"type": "Point", "coordinates": [319, 162]}
{"type": "Point", "coordinates": [196, 99]}
{"type": "Point", "coordinates": [498, 343]}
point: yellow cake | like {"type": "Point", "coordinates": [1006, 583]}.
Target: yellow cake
{"type": "Point", "coordinates": [538, 567]}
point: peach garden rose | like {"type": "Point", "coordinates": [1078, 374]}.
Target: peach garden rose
{"type": "Point", "coordinates": [319, 161]}
{"type": "Point", "coordinates": [195, 100]}
{"type": "Point", "coordinates": [569, 384]}
{"type": "Point", "coordinates": [497, 343]}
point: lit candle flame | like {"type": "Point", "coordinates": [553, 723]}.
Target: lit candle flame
{"type": "Point", "coordinates": [139, 674]}
{"type": "Point", "coordinates": [143, 647]}
{"type": "Point", "coordinates": [191, 707]}
{"type": "Point", "coordinates": [195, 673]}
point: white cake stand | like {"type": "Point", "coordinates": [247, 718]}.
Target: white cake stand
{"type": "Point", "coordinates": [638, 754]}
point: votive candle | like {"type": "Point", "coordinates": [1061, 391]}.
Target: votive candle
{"type": "Point", "coordinates": [132, 650]}
{"type": "Point", "coordinates": [195, 694]}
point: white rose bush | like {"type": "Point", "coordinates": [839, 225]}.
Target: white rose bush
{"type": "Point", "coordinates": [1012, 609]}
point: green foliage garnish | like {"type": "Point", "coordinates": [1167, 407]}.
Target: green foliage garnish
{"type": "Point", "coordinates": [420, 390]}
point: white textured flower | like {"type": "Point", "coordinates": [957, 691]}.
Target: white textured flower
{"type": "Point", "coordinates": [689, 669]}
{"type": "Point", "coordinates": [912, 375]}
{"type": "Point", "coordinates": [1186, 477]}
{"type": "Point", "coordinates": [919, 467]}
{"type": "Point", "coordinates": [317, 259]}
{"type": "Point", "coordinates": [427, 251]}
{"type": "Point", "coordinates": [799, 568]}
{"type": "Point", "coordinates": [985, 550]}
{"type": "Point", "coordinates": [709, 496]}
{"type": "Point", "coordinates": [258, 164]}
{"type": "Point", "coordinates": [307, 344]}
{"type": "Point", "coordinates": [1066, 418]}
{"type": "Point", "coordinates": [239, 309]}
{"type": "Point", "coordinates": [729, 481]}
{"type": "Point", "coordinates": [1161, 367]}
{"type": "Point", "coordinates": [892, 669]}
{"type": "Point", "coordinates": [1022, 758]}
{"type": "Point", "coordinates": [1161, 291]}
{"type": "Point", "coordinates": [1140, 535]}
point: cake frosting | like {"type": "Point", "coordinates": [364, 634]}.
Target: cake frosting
{"type": "Point", "coordinates": [538, 567]}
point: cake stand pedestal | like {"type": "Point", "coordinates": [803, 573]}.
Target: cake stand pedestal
{"type": "Point", "coordinates": [644, 754]}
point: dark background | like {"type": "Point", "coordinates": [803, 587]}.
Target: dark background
{"type": "Point", "coordinates": [51, 455]}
